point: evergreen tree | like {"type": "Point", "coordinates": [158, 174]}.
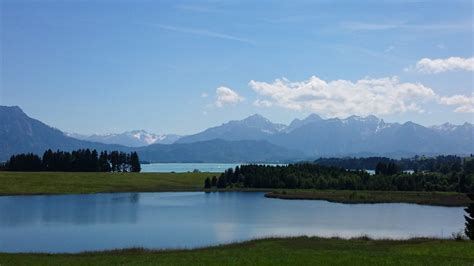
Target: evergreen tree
{"type": "Point", "coordinates": [114, 161]}
{"type": "Point", "coordinates": [235, 176]}
{"type": "Point", "coordinates": [221, 182]}
{"type": "Point", "coordinates": [135, 162]}
{"type": "Point", "coordinates": [94, 163]}
{"type": "Point", "coordinates": [46, 161]}
{"type": "Point", "coordinates": [380, 168]}
{"type": "Point", "coordinates": [391, 169]}
{"type": "Point", "coordinates": [469, 230]}
{"type": "Point", "coordinates": [214, 181]}
{"type": "Point", "coordinates": [207, 183]}
{"type": "Point", "coordinates": [104, 165]}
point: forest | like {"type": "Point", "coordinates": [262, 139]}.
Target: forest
{"type": "Point", "coordinates": [388, 177]}
{"type": "Point", "coordinates": [82, 160]}
{"type": "Point", "coordinates": [442, 163]}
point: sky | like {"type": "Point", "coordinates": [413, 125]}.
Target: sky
{"type": "Point", "coordinates": [183, 66]}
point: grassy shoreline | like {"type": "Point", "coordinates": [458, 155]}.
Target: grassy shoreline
{"type": "Point", "coordinates": [56, 183]}
{"type": "Point", "coordinates": [448, 199]}
{"type": "Point", "coordinates": [273, 251]}
{"type": "Point", "coordinates": [53, 183]}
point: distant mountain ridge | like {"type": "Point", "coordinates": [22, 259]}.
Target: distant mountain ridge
{"type": "Point", "coordinates": [370, 135]}
{"type": "Point", "coordinates": [255, 127]}
{"type": "Point", "coordinates": [22, 134]}
{"type": "Point", "coordinates": [217, 150]}
{"type": "Point", "coordinates": [134, 138]}
{"type": "Point", "coordinates": [253, 139]}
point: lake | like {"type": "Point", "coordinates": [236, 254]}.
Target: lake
{"type": "Point", "coordinates": [73, 223]}
{"type": "Point", "coordinates": [189, 167]}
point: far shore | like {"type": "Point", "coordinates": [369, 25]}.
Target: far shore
{"type": "Point", "coordinates": [447, 199]}
{"type": "Point", "coordinates": [57, 183]}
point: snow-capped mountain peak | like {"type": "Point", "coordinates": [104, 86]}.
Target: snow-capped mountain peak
{"type": "Point", "coordinates": [134, 138]}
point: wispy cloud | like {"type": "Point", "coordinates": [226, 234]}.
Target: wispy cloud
{"type": "Point", "coordinates": [198, 8]}
{"type": "Point", "coordinates": [200, 32]}
{"type": "Point", "coordinates": [400, 25]}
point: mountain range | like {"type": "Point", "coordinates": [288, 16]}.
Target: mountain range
{"type": "Point", "coordinates": [134, 138]}
{"type": "Point", "coordinates": [20, 133]}
{"type": "Point", "coordinates": [355, 135]}
{"type": "Point", "coordinates": [253, 139]}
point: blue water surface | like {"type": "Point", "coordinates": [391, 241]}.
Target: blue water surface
{"type": "Point", "coordinates": [73, 223]}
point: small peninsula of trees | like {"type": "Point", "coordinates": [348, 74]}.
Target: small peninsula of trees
{"type": "Point", "coordinates": [83, 160]}
{"type": "Point", "coordinates": [388, 177]}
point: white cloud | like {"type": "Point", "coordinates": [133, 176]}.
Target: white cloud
{"type": "Point", "coordinates": [465, 104]}
{"type": "Point", "coordinates": [341, 98]}
{"type": "Point", "coordinates": [204, 95]}
{"type": "Point", "coordinates": [226, 96]}
{"type": "Point", "coordinates": [426, 65]}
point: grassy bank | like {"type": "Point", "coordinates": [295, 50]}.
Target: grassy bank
{"type": "Point", "coordinates": [276, 251]}
{"type": "Point", "coordinates": [348, 196]}
{"type": "Point", "coordinates": [30, 183]}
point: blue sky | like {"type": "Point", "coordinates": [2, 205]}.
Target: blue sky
{"type": "Point", "coordinates": [182, 66]}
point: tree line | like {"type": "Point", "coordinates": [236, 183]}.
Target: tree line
{"type": "Point", "coordinates": [82, 160]}
{"type": "Point", "coordinates": [443, 163]}
{"type": "Point", "coordinates": [388, 177]}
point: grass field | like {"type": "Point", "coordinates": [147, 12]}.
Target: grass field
{"type": "Point", "coordinates": [30, 183]}
{"type": "Point", "coordinates": [276, 251]}
{"type": "Point", "coordinates": [349, 196]}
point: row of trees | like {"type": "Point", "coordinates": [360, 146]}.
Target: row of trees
{"type": "Point", "coordinates": [386, 169]}
{"type": "Point", "coordinates": [313, 176]}
{"type": "Point", "coordinates": [443, 164]}
{"type": "Point", "coordinates": [83, 160]}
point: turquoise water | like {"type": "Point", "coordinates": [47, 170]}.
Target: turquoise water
{"type": "Point", "coordinates": [74, 223]}
{"type": "Point", "coordinates": [188, 167]}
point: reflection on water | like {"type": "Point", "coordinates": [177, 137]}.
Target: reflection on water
{"type": "Point", "coordinates": [72, 223]}
{"type": "Point", "coordinates": [70, 209]}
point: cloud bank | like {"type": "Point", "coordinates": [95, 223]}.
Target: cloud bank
{"type": "Point", "coordinates": [465, 104]}
{"type": "Point", "coordinates": [433, 66]}
{"type": "Point", "coordinates": [342, 98]}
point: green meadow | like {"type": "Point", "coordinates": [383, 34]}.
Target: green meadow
{"type": "Point", "coordinates": [275, 251]}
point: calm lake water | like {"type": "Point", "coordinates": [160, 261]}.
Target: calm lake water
{"type": "Point", "coordinates": [188, 167]}
{"type": "Point", "coordinates": [73, 223]}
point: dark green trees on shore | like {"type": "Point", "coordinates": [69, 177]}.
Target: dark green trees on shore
{"type": "Point", "coordinates": [314, 176]}
{"type": "Point", "coordinates": [386, 169]}
{"type": "Point", "coordinates": [207, 183]}
{"type": "Point", "coordinates": [83, 160]}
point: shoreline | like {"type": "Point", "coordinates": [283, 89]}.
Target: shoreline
{"type": "Point", "coordinates": [435, 198]}
{"type": "Point", "coordinates": [245, 242]}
